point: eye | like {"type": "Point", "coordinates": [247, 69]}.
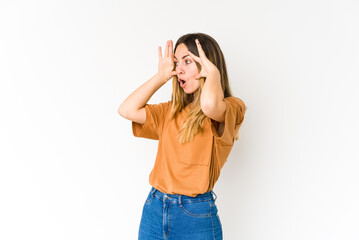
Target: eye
{"type": "Point", "coordinates": [187, 60]}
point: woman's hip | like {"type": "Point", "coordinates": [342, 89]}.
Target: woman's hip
{"type": "Point", "coordinates": [171, 216]}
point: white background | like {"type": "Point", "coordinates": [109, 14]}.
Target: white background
{"type": "Point", "coordinates": [71, 169]}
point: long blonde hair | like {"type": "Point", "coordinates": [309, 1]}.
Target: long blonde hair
{"type": "Point", "coordinates": [195, 121]}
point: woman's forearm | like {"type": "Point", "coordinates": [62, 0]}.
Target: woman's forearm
{"type": "Point", "coordinates": [138, 98]}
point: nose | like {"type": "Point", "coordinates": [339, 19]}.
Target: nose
{"type": "Point", "coordinates": [179, 69]}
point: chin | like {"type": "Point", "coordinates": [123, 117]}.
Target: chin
{"type": "Point", "coordinates": [190, 92]}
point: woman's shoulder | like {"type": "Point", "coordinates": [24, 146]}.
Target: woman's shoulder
{"type": "Point", "coordinates": [235, 100]}
{"type": "Point", "coordinates": [164, 103]}
{"type": "Point", "coordinates": [159, 108]}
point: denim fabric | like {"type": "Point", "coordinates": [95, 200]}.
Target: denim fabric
{"type": "Point", "coordinates": [180, 217]}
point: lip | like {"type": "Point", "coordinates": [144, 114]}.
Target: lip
{"type": "Point", "coordinates": [183, 86]}
{"type": "Point", "coordinates": [179, 79]}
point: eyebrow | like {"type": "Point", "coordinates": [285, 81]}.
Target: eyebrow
{"type": "Point", "coordinates": [183, 56]}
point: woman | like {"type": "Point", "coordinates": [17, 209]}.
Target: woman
{"type": "Point", "coordinates": [196, 130]}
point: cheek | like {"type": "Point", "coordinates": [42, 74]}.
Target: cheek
{"type": "Point", "coordinates": [194, 70]}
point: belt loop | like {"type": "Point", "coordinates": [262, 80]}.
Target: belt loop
{"type": "Point", "coordinates": [153, 191]}
{"type": "Point", "coordinates": [179, 199]}
{"type": "Point", "coordinates": [214, 195]}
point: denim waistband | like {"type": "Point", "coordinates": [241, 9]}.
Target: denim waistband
{"type": "Point", "coordinates": [179, 197]}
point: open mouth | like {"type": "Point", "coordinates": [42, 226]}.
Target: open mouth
{"type": "Point", "coordinates": [182, 83]}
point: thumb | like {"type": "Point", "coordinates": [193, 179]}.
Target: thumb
{"type": "Point", "coordinates": [198, 76]}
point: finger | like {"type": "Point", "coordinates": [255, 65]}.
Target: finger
{"type": "Point", "coordinates": [197, 59]}
{"type": "Point", "coordinates": [198, 76]}
{"type": "Point", "coordinates": [159, 52]}
{"type": "Point", "coordinates": [200, 50]}
{"type": "Point", "coordinates": [166, 50]}
{"type": "Point", "coordinates": [171, 47]}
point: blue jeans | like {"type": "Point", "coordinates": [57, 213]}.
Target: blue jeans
{"type": "Point", "coordinates": [180, 217]}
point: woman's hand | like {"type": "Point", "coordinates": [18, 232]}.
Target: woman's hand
{"type": "Point", "coordinates": [166, 63]}
{"type": "Point", "coordinates": [207, 66]}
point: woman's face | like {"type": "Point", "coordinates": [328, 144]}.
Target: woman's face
{"type": "Point", "coordinates": [186, 69]}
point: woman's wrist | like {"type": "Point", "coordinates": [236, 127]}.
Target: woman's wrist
{"type": "Point", "coordinates": [161, 78]}
{"type": "Point", "coordinates": [214, 72]}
